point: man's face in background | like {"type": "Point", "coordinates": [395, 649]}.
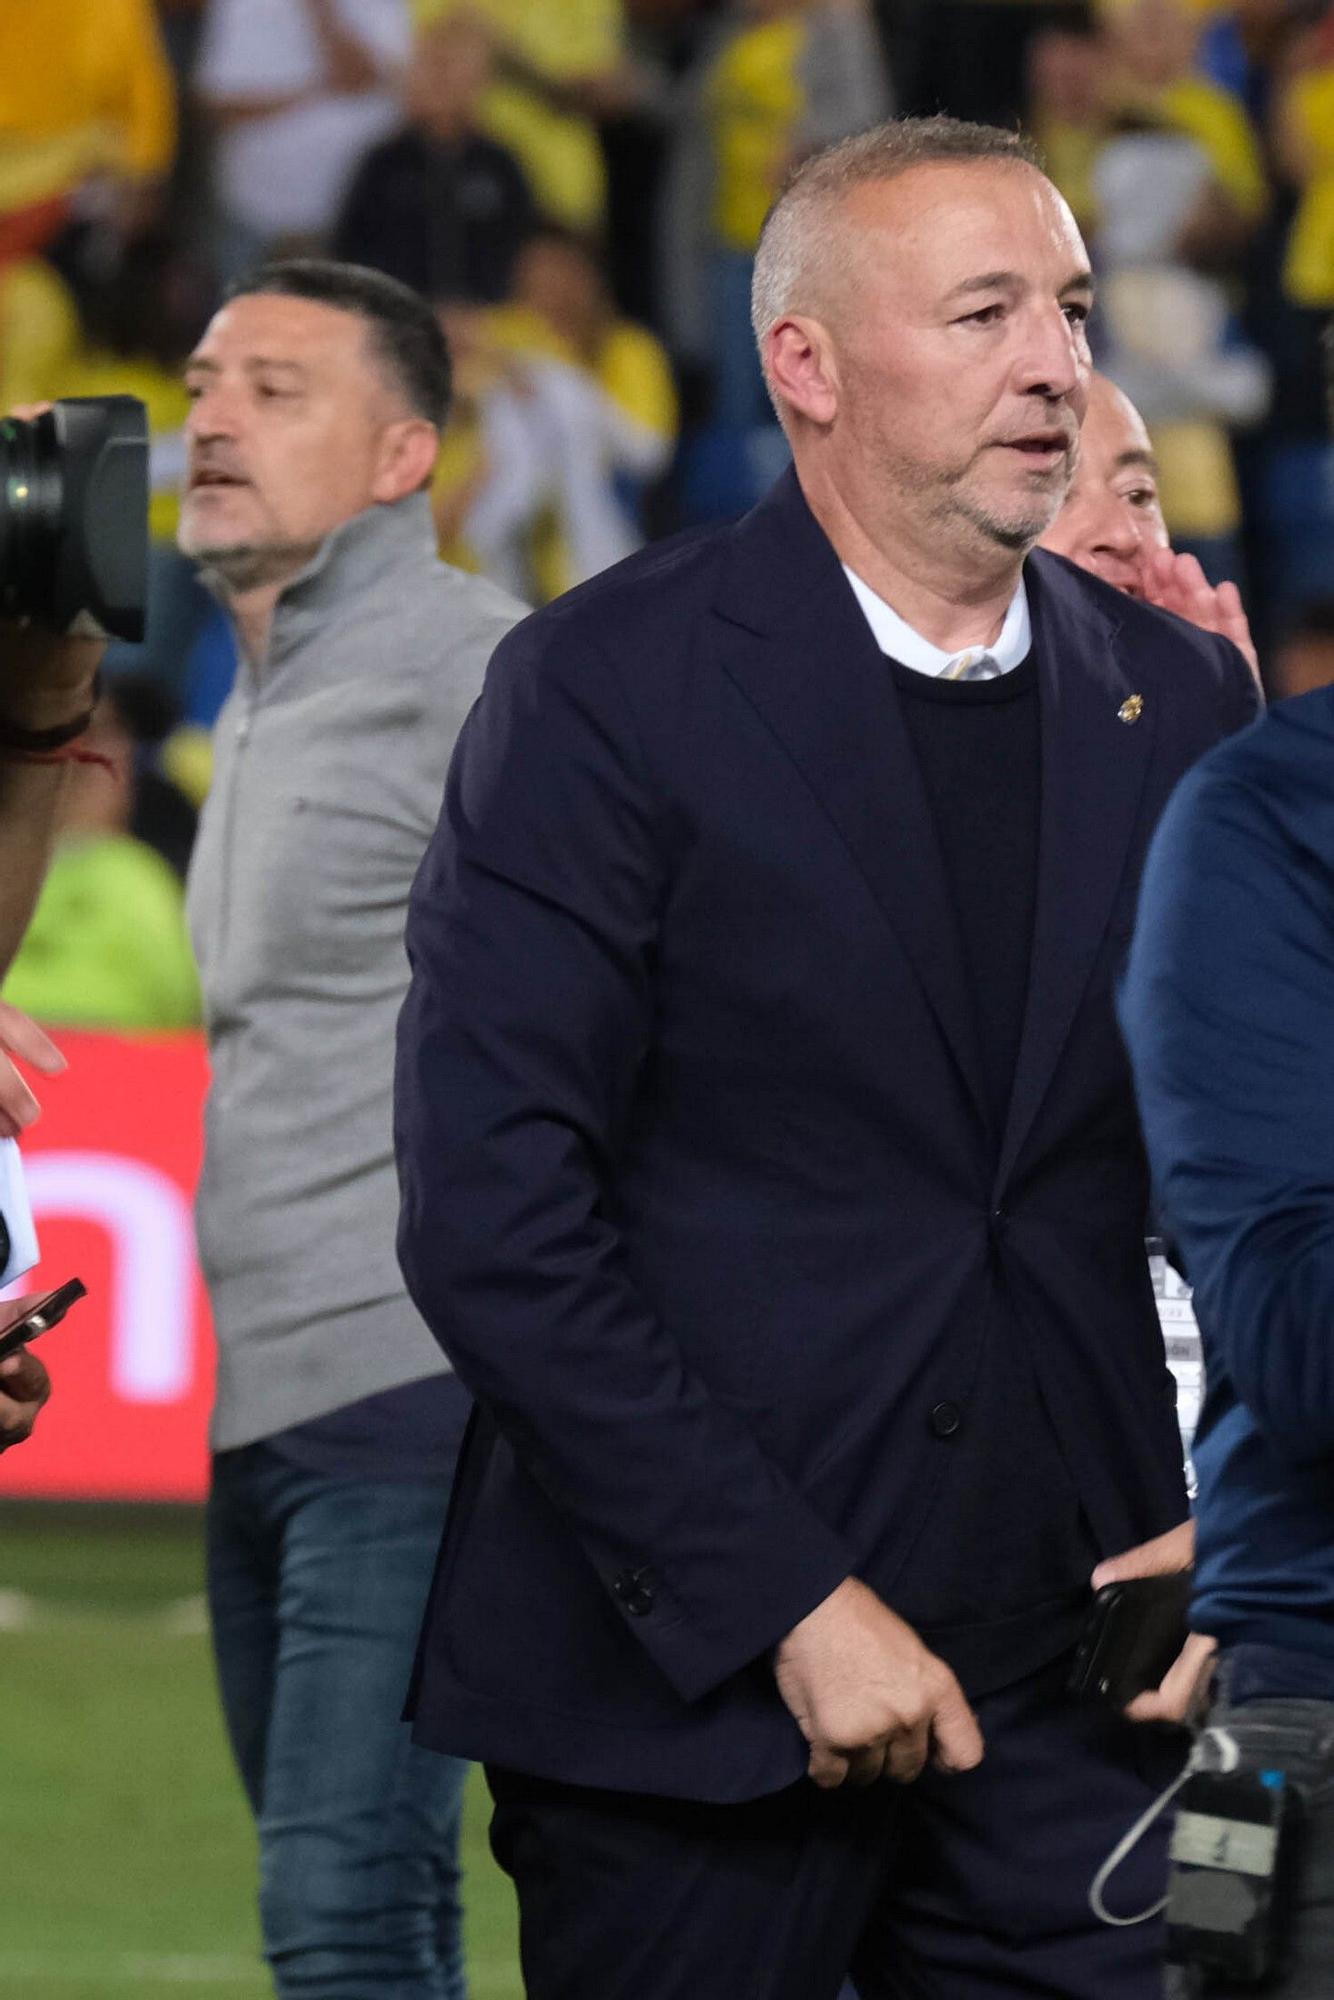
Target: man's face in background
{"type": "Point", "coordinates": [1112, 515]}
{"type": "Point", "coordinates": [288, 436]}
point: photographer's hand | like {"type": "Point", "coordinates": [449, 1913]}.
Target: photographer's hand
{"type": "Point", "coordinates": [47, 679]}
{"type": "Point", "coordinates": [24, 1387]}
{"type": "Point", "coordinates": [22, 1037]}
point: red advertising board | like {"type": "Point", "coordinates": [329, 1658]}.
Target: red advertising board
{"type": "Point", "coordinates": [112, 1165]}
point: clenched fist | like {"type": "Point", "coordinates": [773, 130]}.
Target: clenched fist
{"type": "Point", "coordinates": [870, 1699]}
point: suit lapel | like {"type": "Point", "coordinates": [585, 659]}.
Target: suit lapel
{"type": "Point", "coordinates": [1094, 765]}
{"type": "Point", "coordinates": [804, 657]}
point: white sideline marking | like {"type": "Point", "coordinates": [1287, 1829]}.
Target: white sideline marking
{"type": "Point", "coordinates": [139, 1968]}
{"type": "Point", "coordinates": [134, 1968]}
{"type": "Point", "coordinates": [180, 1617]}
{"type": "Point", "coordinates": [188, 1616]}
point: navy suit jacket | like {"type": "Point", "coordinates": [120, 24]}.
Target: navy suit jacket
{"type": "Point", "coordinates": [699, 1193]}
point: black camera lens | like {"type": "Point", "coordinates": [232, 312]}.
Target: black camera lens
{"type": "Point", "coordinates": [74, 515]}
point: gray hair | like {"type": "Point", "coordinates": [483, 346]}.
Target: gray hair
{"type": "Point", "coordinates": [797, 246]}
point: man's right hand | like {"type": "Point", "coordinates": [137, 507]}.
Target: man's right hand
{"type": "Point", "coordinates": [868, 1696]}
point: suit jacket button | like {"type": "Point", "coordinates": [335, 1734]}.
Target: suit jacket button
{"type": "Point", "coordinates": [945, 1419]}
{"type": "Point", "coordinates": [636, 1589]}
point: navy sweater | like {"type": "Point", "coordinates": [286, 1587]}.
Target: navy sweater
{"type": "Point", "coordinates": [1007, 1495]}
{"type": "Point", "coordinates": [1228, 1009]}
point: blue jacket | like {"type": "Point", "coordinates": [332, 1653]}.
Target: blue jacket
{"type": "Point", "coordinates": [700, 1194]}
{"type": "Point", "coordinates": [1228, 1008]}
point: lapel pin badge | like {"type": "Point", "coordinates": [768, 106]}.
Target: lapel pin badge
{"type": "Point", "coordinates": [1131, 709]}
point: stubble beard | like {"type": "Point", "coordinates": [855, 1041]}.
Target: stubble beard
{"type": "Point", "coordinates": [1017, 533]}
{"type": "Point", "coordinates": [239, 567]}
{"type": "Point", "coordinates": [1019, 527]}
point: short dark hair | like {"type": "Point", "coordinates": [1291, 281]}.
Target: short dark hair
{"type": "Point", "coordinates": [404, 332]}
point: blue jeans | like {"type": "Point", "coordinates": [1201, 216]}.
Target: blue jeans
{"type": "Point", "coordinates": [316, 1588]}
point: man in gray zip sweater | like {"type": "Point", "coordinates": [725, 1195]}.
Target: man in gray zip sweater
{"type": "Point", "coordinates": [318, 394]}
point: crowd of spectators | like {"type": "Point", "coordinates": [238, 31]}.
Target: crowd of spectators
{"type": "Point", "coordinates": [578, 187]}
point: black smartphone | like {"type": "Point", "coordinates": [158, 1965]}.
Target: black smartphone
{"type": "Point", "coordinates": [1134, 1632]}
{"type": "Point", "coordinates": [21, 1320]}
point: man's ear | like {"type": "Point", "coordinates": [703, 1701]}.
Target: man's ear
{"type": "Point", "coordinates": [408, 451]}
{"type": "Point", "coordinates": [802, 368]}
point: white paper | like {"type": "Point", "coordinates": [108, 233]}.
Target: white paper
{"type": "Point", "coordinates": [16, 1209]}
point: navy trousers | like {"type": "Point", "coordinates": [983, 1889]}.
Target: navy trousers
{"type": "Point", "coordinates": [955, 1888]}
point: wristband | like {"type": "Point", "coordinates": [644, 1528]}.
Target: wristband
{"type": "Point", "coordinates": [69, 753]}
{"type": "Point", "coordinates": [13, 736]}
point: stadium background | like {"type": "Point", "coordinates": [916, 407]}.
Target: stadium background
{"type": "Point", "coordinates": [605, 165]}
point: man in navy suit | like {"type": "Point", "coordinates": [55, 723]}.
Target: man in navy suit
{"type": "Point", "coordinates": [771, 1171]}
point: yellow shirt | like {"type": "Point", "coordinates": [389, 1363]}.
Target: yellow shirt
{"type": "Point", "coordinates": [1197, 479]}
{"type": "Point", "coordinates": [634, 370]}
{"type": "Point", "coordinates": [1068, 154]}
{"type": "Point", "coordinates": [631, 366]}
{"type": "Point", "coordinates": [1308, 273]}
{"type": "Point", "coordinates": [42, 357]}
{"type": "Point", "coordinates": [39, 331]}
{"type": "Point", "coordinates": [1109, 9]}
{"type": "Point", "coordinates": [1217, 121]}
{"type": "Point", "coordinates": [755, 103]}
{"type": "Point", "coordinates": [107, 946]}
{"type": "Point", "coordinates": [84, 87]}
{"type": "Point", "coordinates": [561, 38]}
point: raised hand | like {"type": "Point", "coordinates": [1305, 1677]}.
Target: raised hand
{"type": "Point", "coordinates": [1177, 583]}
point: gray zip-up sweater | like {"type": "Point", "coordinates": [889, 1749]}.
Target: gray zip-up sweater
{"type": "Point", "coordinates": [330, 766]}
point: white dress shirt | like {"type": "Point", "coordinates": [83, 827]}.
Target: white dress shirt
{"type": "Point", "coordinates": [284, 174]}
{"type": "Point", "coordinates": [16, 1210]}
{"type": "Point", "coordinates": [976, 663]}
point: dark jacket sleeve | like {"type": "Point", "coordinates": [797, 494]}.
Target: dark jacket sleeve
{"type": "Point", "coordinates": [1227, 1012]}
{"type": "Point", "coordinates": [524, 1037]}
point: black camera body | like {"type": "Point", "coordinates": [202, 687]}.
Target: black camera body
{"type": "Point", "coordinates": [74, 515]}
{"type": "Point", "coordinates": [1233, 1858]}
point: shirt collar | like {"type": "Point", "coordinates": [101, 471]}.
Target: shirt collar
{"type": "Point", "coordinates": [352, 560]}
{"type": "Point", "coordinates": [896, 637]}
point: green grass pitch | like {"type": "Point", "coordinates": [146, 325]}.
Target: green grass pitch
{"type": "Point", "coordinates": [126, 1849]}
